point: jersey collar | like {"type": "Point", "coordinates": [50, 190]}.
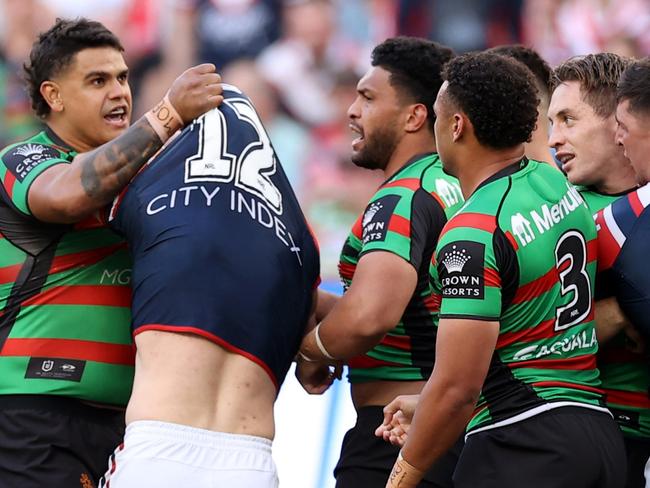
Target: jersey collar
{"type": "Point", "coordinates": [507, 171]}
{"type": "Point", "coordinates": [414, 159]}
{"type": "Point", "coordinates": [57, 141]}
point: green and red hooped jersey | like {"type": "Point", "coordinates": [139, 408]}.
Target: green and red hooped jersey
{"type": "Point", "coordinates": [65, 292]}
{"type": "Point", "coordinates": [522, 251]}
{"type": "Point", "coordinates": [404, 217]}
{"type": "Point", "coordinates": [624, 374]}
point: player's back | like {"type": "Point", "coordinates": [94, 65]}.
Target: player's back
{"type": "Point", "coordinates": [220, 246]}
{"type": "Point", "coordinates": [522, 252]}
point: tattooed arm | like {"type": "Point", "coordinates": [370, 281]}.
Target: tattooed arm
{"type": "Point", "coordinates": [67, 193]}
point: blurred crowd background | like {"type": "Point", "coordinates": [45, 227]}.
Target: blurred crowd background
{"type": "Point", "coordinates": [299, 61]}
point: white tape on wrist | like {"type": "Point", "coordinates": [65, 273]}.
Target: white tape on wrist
{"type": "Point", "coordinates": [320, 345]}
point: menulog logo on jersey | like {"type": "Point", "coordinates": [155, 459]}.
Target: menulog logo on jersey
{"type": "Point", "coordinates": [460, 270]}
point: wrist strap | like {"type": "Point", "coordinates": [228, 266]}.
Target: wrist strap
{"type": "Point", "coordinates": [320, 345]}
{"type": "Point", "coordinates": [404, 474]}
{"type": "Point", "coordinates": [305, 358]}
{"type": "Point", "coordinates": [164, 119]}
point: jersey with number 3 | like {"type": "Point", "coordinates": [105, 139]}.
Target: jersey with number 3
{"type": "Point", "coordinates": [220, 246]}
{"type": "Point", "coordinates": [522, 252]}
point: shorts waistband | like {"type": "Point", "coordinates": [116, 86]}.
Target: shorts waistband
{"type": "Point", "coordinates": [195, 435]}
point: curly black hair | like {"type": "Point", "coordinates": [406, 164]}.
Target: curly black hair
{"type": "Point", "coordinates": [598, 75]}
{"type": "Point", "coordinates": [635, 86]}
{"type": "Point", "coordinates": [533, 61]}
{"type": "Point", "coordinates": [415, 67]}
{"type": "Point", "coordinates": [55, 49]}
{"type": "Point", "coordinates": [497, 94]}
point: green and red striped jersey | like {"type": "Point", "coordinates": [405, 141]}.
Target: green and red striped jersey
{"type": "Point", "coordinates": [64, 292]}
{"type": "Point", "coordinates": [624, 374]}
{"type": "Point", "coordinates": [521, 251]}
{"type": "Point", "coordinates": [404, 217]}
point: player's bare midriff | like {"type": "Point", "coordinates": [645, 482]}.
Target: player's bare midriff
{"type": "Point", "coordinates": [375, 393]}
{"type": "Point", "coordinates": [186, 379]}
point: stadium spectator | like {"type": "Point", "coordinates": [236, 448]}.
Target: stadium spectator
{"type": "Point", "coordinates": [65, 344]}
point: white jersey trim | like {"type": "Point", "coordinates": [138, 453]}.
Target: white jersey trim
{"type": "Point", "coordinates": [613, 227]}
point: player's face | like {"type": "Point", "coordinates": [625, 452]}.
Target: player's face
{"type": "Point", "coordinates": [373, 116]}
{"type": "Point", "coordinates": [633, 133]}
{"type": "Point", "coordinates": [584, 141]}
{"type": "Point", "coordinates": [443, 129]}
{"type": "Point", "coordinates": [95, 96]}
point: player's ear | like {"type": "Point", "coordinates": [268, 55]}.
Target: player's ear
{"type": "Point", "coordinates": [51, 92]}
{"type": "Point", "coordinates": [459, 126]}
{"type": "Point", "coordinates": [416, 118]}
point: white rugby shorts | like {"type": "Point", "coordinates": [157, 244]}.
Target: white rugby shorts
{"type": "Point", "coordinates": [166, 455]}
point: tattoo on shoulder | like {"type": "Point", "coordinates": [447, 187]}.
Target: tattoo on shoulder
{"type": "Point", "coordinates": [107, 169]}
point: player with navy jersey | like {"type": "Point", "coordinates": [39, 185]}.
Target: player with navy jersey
{"type": "Point", "coordinates": [623, 229]}
{"type": "Point", "coordinates": [224, 271]}
{"type": "Point", "coordinates": [516, 344]}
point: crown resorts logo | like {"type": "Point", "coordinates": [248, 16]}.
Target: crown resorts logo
{"type": "Point", "coordinates": [370, 213]}
{"type": "Point", "coordinates": [455, 260]}
{"type": "Point", "coordinates": [30, 150]}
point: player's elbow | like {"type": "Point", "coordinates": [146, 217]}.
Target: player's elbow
{"type": "Point", "coordinates": [61, 211]}
{"type": "Point", "coordinates": [373, 322]}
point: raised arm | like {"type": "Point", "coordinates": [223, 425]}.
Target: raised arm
{"type": "Point", "coordinates": [67, 193]}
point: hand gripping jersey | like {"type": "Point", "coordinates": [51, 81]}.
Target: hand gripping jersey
{"type": "Point", "coordinates": [404, 217]}
{"type": "Point", "coordinates": [64, 292]}
{"type": "Point", "coordinates": [522, 251]}
{"type": "Point", "coordinates": [623, 232]}
{"type": "Point", "coordinates": [220, 246]}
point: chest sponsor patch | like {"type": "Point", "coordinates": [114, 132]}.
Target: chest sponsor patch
{"type": "Point", "coordinates": [377, 217]}
{"type": "Point", "coordinates": [461, 270]}
{"type": "Point", "coordinates": [22, 159]}
{"type": "Point", "coordinates": [55, 369]}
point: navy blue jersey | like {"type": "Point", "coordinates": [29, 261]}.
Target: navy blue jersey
{"type": "Point", "coordinates": [623, 249]}
{"type": "Point", "coordinates": [219, 243]}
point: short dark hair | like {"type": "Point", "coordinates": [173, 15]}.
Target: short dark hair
{"type": "Point", "coordinates": [415, 67]}
{"type": "Point", "coordinates": [635, 86]}
{"type": "Point", "coordinates": [55, 49]}
{"type": "Point", "coordinates": [533, 61]}
{"type": "Point", "coordinates": [497, 94]}
{"type": "Point", "coordinates": [598, 75]}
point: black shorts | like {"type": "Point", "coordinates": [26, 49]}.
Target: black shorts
{"type": "Point", "coordinates": [638, 454]}
{"type": "Point", "coordinates": [568, 447]}
{"type": "Point", "coordinates": [367, 460]}
{"type": "Point", "coordinates": [55, 442]}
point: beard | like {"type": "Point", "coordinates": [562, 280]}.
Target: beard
{"type": "Point", "coordinates": [378, 149]}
